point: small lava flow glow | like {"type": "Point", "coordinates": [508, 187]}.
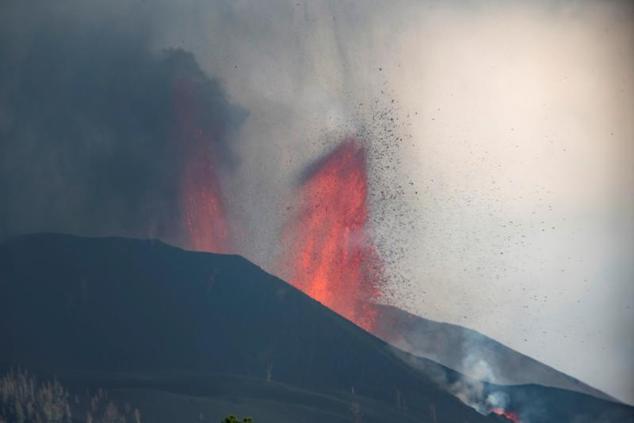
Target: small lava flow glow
{"type": "Point", "coordinates": [202, 209]}
{"type": "Point", "coordinates": [509, 415]}
{"type": "Point", "coordinates": [331, 256]}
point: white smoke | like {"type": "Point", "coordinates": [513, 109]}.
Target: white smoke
{"type": "Point", "coordinates": [473, 392]}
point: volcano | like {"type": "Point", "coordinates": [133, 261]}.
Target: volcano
{"type": "Point", "coordinates": [188, 336]}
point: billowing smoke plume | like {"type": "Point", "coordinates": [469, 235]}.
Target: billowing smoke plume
{"type": "Point", "coordinates": [101, 134]}
{"type": "Point", "coordinates": [113, 129]}
{"type": "Point", "coordinates": [122, 118]}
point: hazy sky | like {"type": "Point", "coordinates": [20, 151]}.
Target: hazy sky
{"type": "Point", "coordinates": [507, 130]}
{"type": "Point", "coordinates": [519, 145]}
{"type": "Point", "coordinates": [524, 146]}
{"type": "Point", "coordinates": [519, 135]}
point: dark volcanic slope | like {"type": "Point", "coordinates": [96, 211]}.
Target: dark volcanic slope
{"type": "Point", "coordinates": [192, 336]}
{"type": "Point", "coordinates": [464, 350]}
{"type": "Point", "coordinates": [102, 308]}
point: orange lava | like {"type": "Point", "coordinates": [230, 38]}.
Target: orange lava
{"type": "Point", "coordinates": [331, 256]}
{"type": "Point", "coordinates": [509, 415]}
{"type": "Point", "coordinates": [201, 203]}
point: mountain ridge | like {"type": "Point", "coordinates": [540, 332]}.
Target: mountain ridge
{"type": "Point", "coordinates": [504, 365]}
{"type": "Point", "coordinates": [83, 308]}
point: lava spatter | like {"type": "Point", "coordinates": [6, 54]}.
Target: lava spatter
{"type": "Point", "coordinates": [203, 214]}
{"type": "Point", "coordinates": [331, 255]}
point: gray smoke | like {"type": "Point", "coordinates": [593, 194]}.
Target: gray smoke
{"type": "Point", "coordinates": [89, 135]}
{"type": "Point", "coordinates": [498, 139]}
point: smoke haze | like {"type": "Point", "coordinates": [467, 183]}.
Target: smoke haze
{"type": "Point", "coordinates": [499, 139]}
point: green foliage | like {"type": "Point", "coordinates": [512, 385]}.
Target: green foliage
{"type": "Point", "coordinates": [234, 419]}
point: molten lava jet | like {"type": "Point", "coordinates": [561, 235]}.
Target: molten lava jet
{"type": "Point", "coordinates": [509, 415]}
{"type": "Point", "coordinates": [331, 256]}
{"type": "Point", "coordinates": [201, 202]}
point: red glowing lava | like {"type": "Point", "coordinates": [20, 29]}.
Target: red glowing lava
{"type": "Point", "coordinates": [509, 415]}
{"type": "Point", "coordinates": [201, 202]}
{"type": "Point", "coordinates": [331, 256]}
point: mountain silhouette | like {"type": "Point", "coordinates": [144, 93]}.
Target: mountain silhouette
{"type": "Point", "coordinates": [189, 336]}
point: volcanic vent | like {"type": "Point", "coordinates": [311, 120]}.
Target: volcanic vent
{"type": "Point", "coordinates": [329, 254]}
{"type": "Point", "coordinates": [204, 218]}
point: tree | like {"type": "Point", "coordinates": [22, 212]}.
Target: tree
{"type": "Point", "coordinates": [24, 399]}
{"type": "Point", "coordinates": [234, 419]}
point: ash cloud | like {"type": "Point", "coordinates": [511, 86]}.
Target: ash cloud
{"type": "Point", "coordinates": [486, 93]}
{"type": "Point", "coordinates": [89, 139]}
